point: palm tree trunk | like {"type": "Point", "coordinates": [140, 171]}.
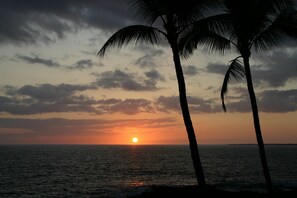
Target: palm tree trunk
{"type": "Point", "coordinates": [186, 115]}
{"type": "Point", "coordinates": [257, 124]}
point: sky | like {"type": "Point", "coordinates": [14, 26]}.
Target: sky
{"type": "Point", "coordinates": [54, 89]}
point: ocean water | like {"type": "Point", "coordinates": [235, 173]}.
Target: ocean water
{"type": "Point", "coordinates": [119, 171]}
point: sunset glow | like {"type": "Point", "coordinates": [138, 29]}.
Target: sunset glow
{"type": "Point", "coordinates": [135, 140]}
{"type": "Point", "coordinates": [54, 89]}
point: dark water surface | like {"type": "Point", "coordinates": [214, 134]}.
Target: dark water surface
{"type": "Point", "coordinates": [116, 171]}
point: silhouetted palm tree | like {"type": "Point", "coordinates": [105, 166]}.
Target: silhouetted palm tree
{"type": "Point", "coordinates": [169, 19]}
{"type": "Point", "coordinates": [247, 25]}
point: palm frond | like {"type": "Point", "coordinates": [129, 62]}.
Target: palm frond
{"type": "Point", "coordinates": [274, 6]}
{"type": "Point", "coordinates": [236, 71]}
{"type": "Point", "coordinates": [209, 40]}
{"type": "Point", "coordinates": [208, 32]}
{"type": "Point", "coordinates": [146, 11]}
{"type": "Point", "coordinates": [187, 11]}
{"type": "Point", "coordinates": [219, 23]}
{"type": "Point", "coordinates": [284, 24]}
{"type": "Point", "coordinates": [134, 33]}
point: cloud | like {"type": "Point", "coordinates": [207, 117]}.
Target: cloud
{"type": "Point", "coordinates": [153, 77]}
{"type": "Point", "coordinates": [21, 108]}
{"type": "Point", "coordinates": [279, 68]}
{"type": "Point", "coordinates": [217, 68]}
{"type": "Point", "coordinates": [13, 129]}
{"type": "Point", "coordinates": [127, 106]}
{"type": "Point", "coordinates": [288, 42]}
{"type": "Point", "coordinates": [64, 98]}
{"type": "Point", "coordinates": [190, 70]}
{"type": "Point", "coordinates": [278, 101]}
{"type": "Point", "coordinates": [84, 64]}
{"type": "Point", "coordinates": [49, 92]}
{"type": "Point", "coordinates": [32, 21]}
{"type": "Point", "coordinates": [47, 98]}
{"type": "Point", "coordinates": [271, 101]}
{"type": "Point", "coordinates": [79, 65]}
{"type": "Point", "coordinates": [30, 106]}
{"type": "Point", "coordinates": [150, 59]}
{"type": "Point", "coordinates": [276, 69]}
{"type": "Point", "coordinates": [37, 60]}
{"type": "Point", "coordinates": [128, 81]}
{"type": "Point", "coordinates": [238, 104]}
{"type": "Point", "coordinates": [196, 104]}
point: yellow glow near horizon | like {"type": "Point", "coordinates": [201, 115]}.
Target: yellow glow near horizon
{"type": "Point", "coordinates": [135, 140]}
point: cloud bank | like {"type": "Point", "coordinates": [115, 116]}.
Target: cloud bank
{"type": "Point", "coordinates": [33, 21]}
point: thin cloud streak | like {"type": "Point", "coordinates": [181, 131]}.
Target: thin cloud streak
{"type": "Point", "coordinates": [61, 127]}
{"type": "Point", "coordinates": [38, 60]}
{"type": "Point", "coordinates": [84, 64]}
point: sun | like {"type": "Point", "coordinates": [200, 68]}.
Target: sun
{"type": "Point", "coordinates": [135, 140]}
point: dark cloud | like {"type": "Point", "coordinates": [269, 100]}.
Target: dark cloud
{"type": "Point", "coordinates": [288, 42]}
{"type": "Point", "coordinates": [47, 98]}
{"type": "Point", "coordinates": [18, 106]}
{"type": "Point", "coordinates": [38, 60]}
{"type": "Point", "coordinates": [110, 101]}
{"type": "Point", "coordinates": [8, 90]}
{"type": "Point", "coordinates": [31, 21]}
{"type": "Point", "coordinates": [49, 92]}
{"type": "Point", "coordinates": [79, 65]}
{"type": "Point", "coordinates": [281, 67]}
{"type": "Point", "coordinates": [84, 64]}
{"type": "Point", "coordinates": [271, 101]}
{"type": "Point", "coordinates": [190, 70]}
{"type": "Point", "coordinates": [150, 59]}
{"type": "Point", "coordinates": [29, 106]}
{"type": "Point", "coordinates": [276, 69]}
{"type": "Point", "coordinates": [128, 106]}
{"type": "Point", "coordinates": [217, 68]}
{"type": "Point", "coordinates": [63, 98]}
{"type": "Point", "coordinates": [238, 104]}
{"type": "Point", "coordinates": [128, 81]}
{"type": "Point", "coordinates": [154, 75]}
{"type": "Point", "coordinates": [278, 101]}
{"type": "Point", "coordinates": [22, 108]}
{"type": "Point", "coordinates": [196, 104]}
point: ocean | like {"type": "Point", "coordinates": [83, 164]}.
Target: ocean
{"type": "Point", "coordinates": [119, 171]}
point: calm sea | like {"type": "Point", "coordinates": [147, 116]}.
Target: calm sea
{"type": "Point", "coordinates": [118, 171]}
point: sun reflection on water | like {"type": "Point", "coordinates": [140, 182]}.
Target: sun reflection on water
{"type": "Point", "coordinates": [135, 183]}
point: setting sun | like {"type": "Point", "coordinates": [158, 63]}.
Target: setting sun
{"type": "Point", "coordinates": [135, 140]}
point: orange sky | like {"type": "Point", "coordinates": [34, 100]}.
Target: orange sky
{"type": "Point", "coordinates": [217, 128]}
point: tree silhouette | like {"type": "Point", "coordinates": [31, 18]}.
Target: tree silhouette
{"type": "Point", "coordinates": [168, 19]}
{"type": "Point", "coordinates": [247, 25]}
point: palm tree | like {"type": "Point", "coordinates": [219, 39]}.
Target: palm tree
{"type": "Point", "coordinates": [247, 25]}
{"type": "Point", "coordinates": [174, 17]}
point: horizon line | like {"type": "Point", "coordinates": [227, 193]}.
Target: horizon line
{"type": "Point", "coordinates": [74, 144]}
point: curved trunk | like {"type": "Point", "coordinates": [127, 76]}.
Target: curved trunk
{"type": "Point", "coordinates": [186, 115]}
{"type": "Point", "coordinates": [257, 123]}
